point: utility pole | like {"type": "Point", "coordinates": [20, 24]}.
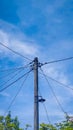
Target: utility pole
{"type": "Point", "coordinates": [36, 97]}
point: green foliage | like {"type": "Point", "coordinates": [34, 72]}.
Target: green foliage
{"type": "Point", "coordinates": [27, 126]}
{"type": "Point", "coordinates": [47, 127]}
{"type": "Point", "coordinates": [65, 125]}
{"type": "Point", "coordinates": [8, 123]}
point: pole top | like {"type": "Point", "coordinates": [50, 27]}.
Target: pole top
{"type": "Point", "coordinates": [36, 59]}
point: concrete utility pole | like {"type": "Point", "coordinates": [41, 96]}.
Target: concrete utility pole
{"type": "Point", "coordinates": [36, 97]}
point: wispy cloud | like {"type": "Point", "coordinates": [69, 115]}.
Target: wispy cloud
{"type": "Point", "coordinates": [26, 47]}
{"type": "Point", "coordinates": [5, 94]}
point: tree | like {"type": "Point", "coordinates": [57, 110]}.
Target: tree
{"type": "Point", "coordinates": [27, 126]}
{"type": "Point", "coordinates": [8, 123]}
{"type": "Point", "coordinates": [47, 127]}
{"type": "Point", "coordinates": [65, 125]}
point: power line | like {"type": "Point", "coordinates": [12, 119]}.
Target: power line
{"type": "Point", "coordinates": [55, 61]}
{"type": "Point", "coordinates": [12, 77]}
{"type": "Point", "coordinates": [15, 81]}
{"type": "Point", "coordinates": [62, 84]}
{"type": "Point", "coordinates": [47, 115]}
{"type": "Point", "coordinates": [14, 51]}
{"type": "Point", "coordinates": [10, 69]}
{"type": "Point", "coordinates": [3, 70]}
{"type": "Point", "coordinates": [6, 75]}
{"type": "Point", "coordinates": [53, 92]}
{"type": "Point", "coordinates": [16, 94]}
{"type": "Point", "coordinates": [46, 112]}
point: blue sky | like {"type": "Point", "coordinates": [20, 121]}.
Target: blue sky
{"type": "Point", "coordinates": [32, 27]}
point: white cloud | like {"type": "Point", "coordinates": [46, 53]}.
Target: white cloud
{"type": "Point", "coordinates": [56, 73]}
{"type": "Point", "coordinates": [24, 47]}
{"type": "Point", "coordinates": [4, 94]}
{"type": "Point", "coordinates": [4, 38]}
{"type": "Point", "coordinates": [7, 26]}
{"type": "Point", "coordinates": [63, 94]}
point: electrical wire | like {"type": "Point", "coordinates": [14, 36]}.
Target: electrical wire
{"type": "Point", "coordinates": [13, 69]}
{"type": "Point", "coordinates": [7, 74]}
{"type": "Point", "coordinates": [45, 108]}
{"type": "Point", "coordinates": [46, 113]}
{"type": "Point", "coordinates": [3, 70]}
{"type": "Point", "coordinates": [55, 61]}
{"type": "Point", "coordinates": [27, 65]}
{"type": "Point", "coordinates": [17, 53]}
{"type": "Point", "coordinates": [12, 77]}
{"type": "Point", "coordinates": [53, 92]}
{"type": "Point", "coordinates": [14, 98]}
{"type": "Point", "coordinates": [14, 81]}
{"type": "Point", "coordinates": [62, 84]}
